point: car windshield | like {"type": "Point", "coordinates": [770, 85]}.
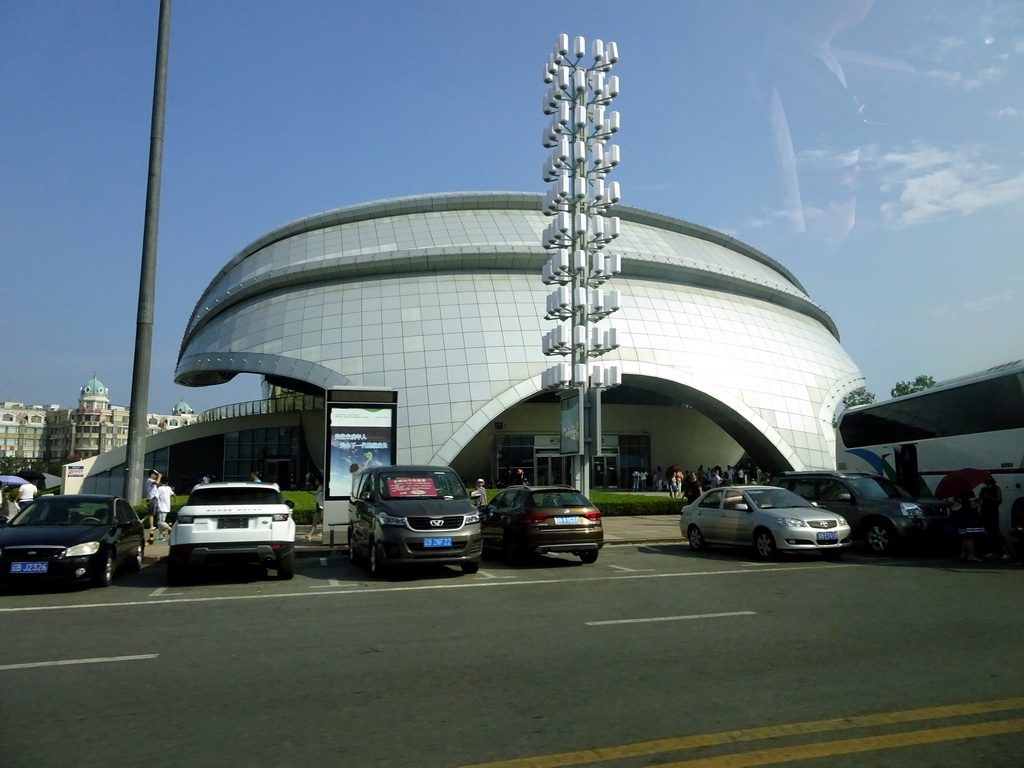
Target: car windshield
{"type": "Point", "coordinates": [215, 497]}
{"type": "Point", "coordinates": [423, 484]}
{"type": "Point", "coordinates": [58, 511]}
{"type": "Point", "coordinates": [776, 498]}
{"type": "Point", "coordinates": [877, 488]}
{"type": "Point", "coordinates": [558, 499]}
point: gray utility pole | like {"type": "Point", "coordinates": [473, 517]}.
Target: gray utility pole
{"type": "Point", "coordinates": [579, 202]}
{"type": "Point", "coordinates": [137, 426]}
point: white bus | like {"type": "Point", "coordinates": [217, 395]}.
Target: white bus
{"type": "Point", "coordinates": [974, 421]}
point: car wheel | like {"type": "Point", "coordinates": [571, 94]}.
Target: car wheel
{"type": "Point", "coordinates": [135, 564]}
{"type": "Point", "coordinates": [696, 538]}
{"type": "Point", "coordinates": [106, 575]}
{"type": "Point", "coordinates": [880, 536]}
{"type": "Point", "coordinates": [832, 554]}
{"type": "Point", "coordinates": [764, 544]}
{"type": "Point", "coordinates": [377, 568]}
{"type": "Point", "coordinates": [588, 556]}
{"type": "Point", "coordinates": [286, 567]}
{"type": "Point", "coordinates": [175, 573]}
{"type": "Point", "coordinates": [513, 550]}
{"type": "Point", "coordinates": [471, 567]}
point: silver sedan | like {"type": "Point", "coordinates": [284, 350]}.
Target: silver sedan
{"type": "Point", "coordinates": [768, 518]}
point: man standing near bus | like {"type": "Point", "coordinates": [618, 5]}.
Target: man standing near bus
{"type": "Point", "coordinates": [991, 497]}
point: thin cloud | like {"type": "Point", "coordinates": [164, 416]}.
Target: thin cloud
{"type": "Point", "coordinates": [997, 302]}
{"type": "Point", "coordinates": [930, 183]}
{"type": "Point", "coordinates": [980, 79]}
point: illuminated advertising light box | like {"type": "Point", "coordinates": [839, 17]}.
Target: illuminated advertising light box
{"type": "Point", "coordinates": [358, 437]}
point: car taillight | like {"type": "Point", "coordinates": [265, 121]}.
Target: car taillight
{"type": "Point", "coordinates": [592, 515]}
{"type": "Point", "coordinates": [280, 517]}
{"type": "Point", "coordinates": [534, 517]}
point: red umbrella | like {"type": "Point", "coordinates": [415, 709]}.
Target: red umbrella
{"type": "Point", "coordinates": [961, 481]}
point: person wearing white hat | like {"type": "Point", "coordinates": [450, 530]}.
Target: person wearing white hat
{"type": "Point", "coordinates": [479, 494]}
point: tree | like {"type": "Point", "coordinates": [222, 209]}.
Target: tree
{"type": "Point", "coordinates": [919, 384]}
{"type": "Point", "coordinates": [859, 396]}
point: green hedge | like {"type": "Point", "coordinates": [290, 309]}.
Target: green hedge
{"type": "Point", "coordinates": [610, 504]}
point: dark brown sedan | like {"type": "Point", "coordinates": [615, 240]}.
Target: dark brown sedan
{"type": "Point", "coordinates": [522, 520]}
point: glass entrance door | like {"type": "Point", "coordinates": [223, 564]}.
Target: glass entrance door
{"type": "Point", "coordinates": [551, 469]}
{"type": "Point", "coordinates": [605, 472]}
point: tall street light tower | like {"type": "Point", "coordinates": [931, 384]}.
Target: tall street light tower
{"type": "Point", "coordinates": [580, 230]}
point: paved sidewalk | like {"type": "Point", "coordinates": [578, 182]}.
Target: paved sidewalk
{"type": "Point", "coordinates": [638, 529]}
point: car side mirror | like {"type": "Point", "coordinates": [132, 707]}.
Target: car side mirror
{"type": "Point", "coordinates": [289, 503]}
{"type": "Point", "coordinates": [743, 507]}
{"type": "Point", "coordinates": [844, 497]}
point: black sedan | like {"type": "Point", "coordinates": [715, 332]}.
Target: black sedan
{"type": "Point", "coordinates": [74, 538]}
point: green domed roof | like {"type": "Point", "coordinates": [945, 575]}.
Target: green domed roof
{"type": "Point", "coordinates": [182, 408]}
{"type": "Point", "coordinates": [94, 387]}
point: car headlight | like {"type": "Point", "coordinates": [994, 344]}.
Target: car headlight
{"type": "Point", "coordinates": [910, 510]}
{"type": "Point", "coordinates": [842, 520]}
{"type": "Point", "coordinates": [187, 519]}
{"type": "Point", "coordinates": [389, 520]}
{"type": "Point", "coordinates": [791, 522]}
{"type": "Point", "coordinates": [474, 518]}
{"type": "Point", "coordinates": [89, 548]}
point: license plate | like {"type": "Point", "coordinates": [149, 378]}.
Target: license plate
{"type": "Point", "coordinates": [574, 520]}
{"type": "Point", "coordinates": [828, 536]}
{"type": "Point", "coordinates": [232, 522]}
{"type": "Point", "coordinates": [438, 541]}
{"type": "Point", "coordinates": [30, 567]}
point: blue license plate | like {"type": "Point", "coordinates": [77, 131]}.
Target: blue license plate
{"type": "Point", "coordinates": [438, 541]}
{"type": "Point", "coordinates": [574, 520]}
{"type": "Point", "coordinates": [30, 567]}
{"type": "Point", "coordinates": [828, 536]}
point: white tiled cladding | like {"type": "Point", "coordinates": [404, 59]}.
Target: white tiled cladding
{"type": "Point", "coordinates": [461, 345]}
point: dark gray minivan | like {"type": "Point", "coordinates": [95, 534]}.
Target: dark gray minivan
{"type": "Point", "coordinates": [413, 515]}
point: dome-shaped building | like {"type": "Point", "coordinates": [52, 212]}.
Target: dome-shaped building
{"type": "Point", "coordinates": [724, 356]}
{"type": "Point", "coordinates": [182, 408]}
{"type": "Point", "coordinates": [93, 394]}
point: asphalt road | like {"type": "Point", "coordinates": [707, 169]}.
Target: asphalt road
{"type": "Point", "coordinates": [651, 656]}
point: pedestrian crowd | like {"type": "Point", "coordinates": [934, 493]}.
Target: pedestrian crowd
{"type": "Point", "coordinates": [689, 484]}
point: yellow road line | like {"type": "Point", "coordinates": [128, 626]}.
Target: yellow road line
{"type": "Point", "coordinates": [601, 754]}
{"type": "Point", "coordinates": [852, 746]}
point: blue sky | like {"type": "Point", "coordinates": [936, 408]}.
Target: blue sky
{"type": "Point", "coordinates": [874, 149]}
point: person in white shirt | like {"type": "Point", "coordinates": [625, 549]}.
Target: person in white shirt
{"type": "Point", "coordinates": [149, 486]}
{"type": "Point", "coordinates": [26, 493]}
{"type": "Point", "coordinates": [164, 494]}
{"type": "Point", "coordinates": [479, 495]}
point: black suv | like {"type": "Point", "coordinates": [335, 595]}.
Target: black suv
{"type": "Point", "coordinates": [879, 511]}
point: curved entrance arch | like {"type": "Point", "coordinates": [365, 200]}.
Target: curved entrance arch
{"type": "Point", "coordinates": [644, 384]}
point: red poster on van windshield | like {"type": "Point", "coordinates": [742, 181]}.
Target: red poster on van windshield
{"type": "Point", "coordinates": [411, 486]}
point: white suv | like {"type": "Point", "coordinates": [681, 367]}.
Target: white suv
{"type": "Point", "coordinates": [233, 523]}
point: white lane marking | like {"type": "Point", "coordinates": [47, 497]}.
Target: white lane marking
{"type": "Point", "coordinates": [489, 575]}
{"type": "Point", "coordinates": [330, 583]}
{"type": "Point", "coordinates": [628, 570]}
{"type": "Point", "coordinates": [158, 591]}
{"type": "Point", "coordinates": [669, 618]}
{"type": "Point", "coordinates": [67, 662]}
{"type": "Point", "coordinates": [427, 587]}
